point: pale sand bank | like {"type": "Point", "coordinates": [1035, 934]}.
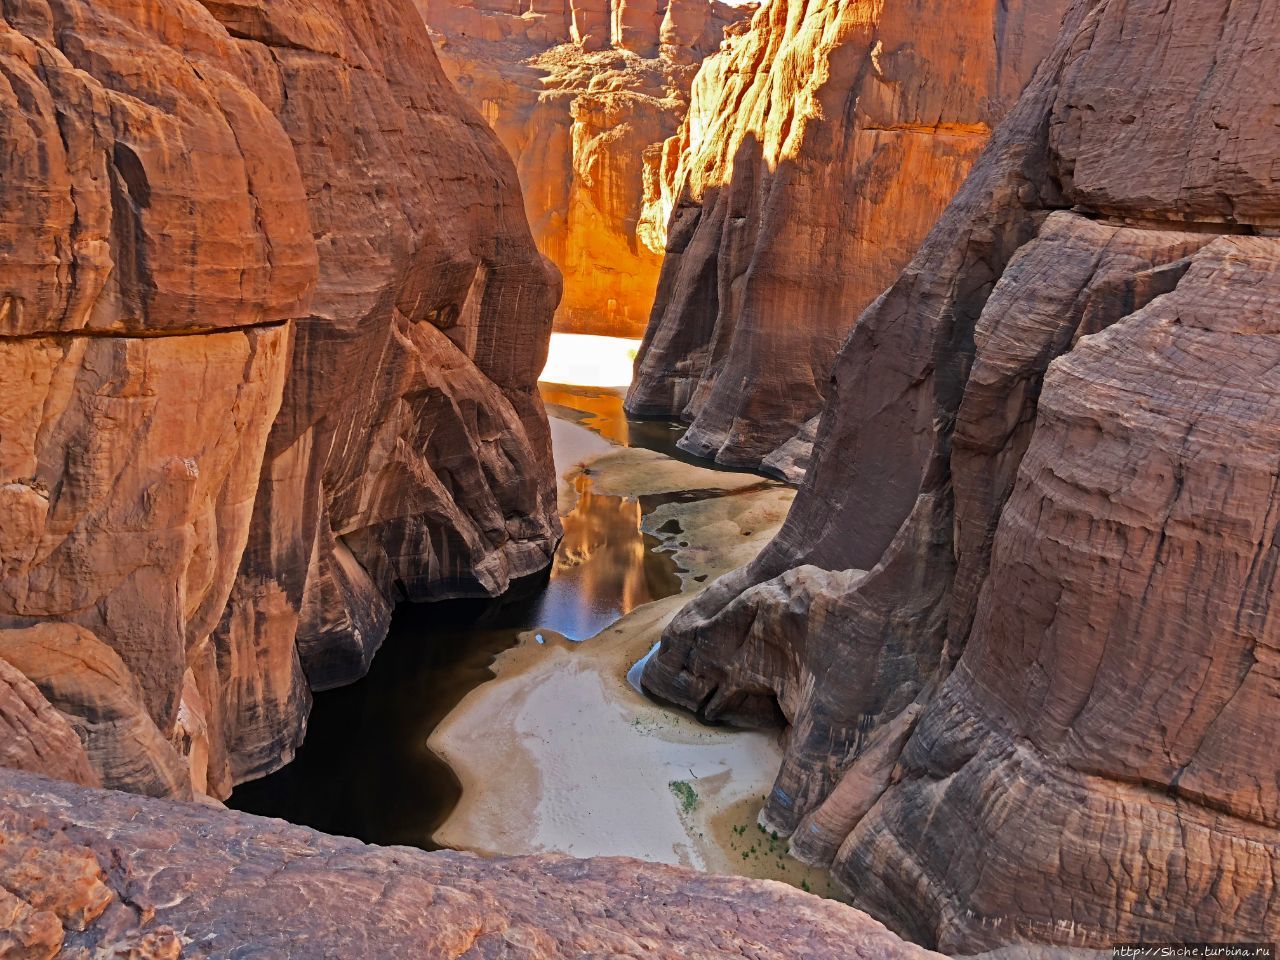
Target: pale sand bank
{"type": "Point", "coordinates": [636, 472]}
{"type": "Point", "coordinates": [560, 758]}
{"type": "Point", "coordinates": [560, 754]}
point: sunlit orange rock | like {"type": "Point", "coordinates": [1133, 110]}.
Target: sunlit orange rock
{"type": "Point", "coordinates": [584, 108]}
{"type": "Point", "coordinates": [819, 148]}
{"type": "Point", "coordinates": [272, 321]}
{"type": "Point", "coordinates": [1021, 620]}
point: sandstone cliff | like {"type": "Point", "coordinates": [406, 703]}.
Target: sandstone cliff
{"type": "Point", "coordinates": [1020, 618]}
{"type": "Point", "coordinates": [270, 323]}
{"type": "Point", "coordinates": [584, 95]}
{"type": "Point", "coordinates": [819, 149]}
{"type": "Point", "coordinates": [93, 873]}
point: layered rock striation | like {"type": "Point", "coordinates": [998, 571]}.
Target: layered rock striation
{"type": "Point", "coordinates": [819, 149]}
{"type": "Point", "coordinates": [1019, 620]}
{"type": "Point", "coordinates": [584, 94]}
{"type": "Point", "coordinates": [271, 320]}
{"type": "Point", "coordinates": [85, 872]}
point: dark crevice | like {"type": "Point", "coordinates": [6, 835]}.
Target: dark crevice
{"type": "Point", "coordinates": [141, 334]}
{"type": "Point", "coordinates": [1114, 219]}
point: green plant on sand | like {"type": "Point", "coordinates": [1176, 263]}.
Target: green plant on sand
{"type": "Point", "coordinates": [685, 793]}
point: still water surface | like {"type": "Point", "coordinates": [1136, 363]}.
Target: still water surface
{"type": "Point", "coordinates": [365, 770]}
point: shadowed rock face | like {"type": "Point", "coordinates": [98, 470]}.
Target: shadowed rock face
{"type": "Point", "coordinates": [1019, 617]}
{"type": "Point", "coordinates": [584, 95]}
{"type": "Point", "coordinates": [36, 737]}
{"type": "Point", "coordinates": [91, 687]}
{"type": "Point", "coordinates": [271, 321]}
{"type": "Point", "coordinates": [819, 149]}
{"type": "Point", "coordinates": [86, 870]}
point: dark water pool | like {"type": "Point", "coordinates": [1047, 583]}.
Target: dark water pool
{"type": "Point", "coordinates": [365, 770]}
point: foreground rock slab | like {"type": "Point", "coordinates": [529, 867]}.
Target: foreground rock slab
{"type": "Point", "coordinates": [93, 873]}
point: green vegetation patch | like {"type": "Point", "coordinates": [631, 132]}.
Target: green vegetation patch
{"type": "Point", "coordinates": [685, 793]}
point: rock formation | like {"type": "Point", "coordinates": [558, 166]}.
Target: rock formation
{"type": "Point", "coordinates": [1019, 619]}
{"type": "Point", "coordinates": [271, 320]}
{"type": "Point", "coordinates": [87, 872]}
{"type": "Point", "coordinates": [89, 684]}
{"type": "Point", "coordinates": [36, 737]}
{"type": "Point", "coordinates": [584, 94]}
{"type": "Point", "coordinates": [819, 149]}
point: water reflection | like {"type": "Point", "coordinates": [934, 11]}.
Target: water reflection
{"type": "Point", "coordinates": [365, 770]}
{"type": "Point", "coordinates": [596, 408]}
{"type": "Point", "coordinates": [605, 566]}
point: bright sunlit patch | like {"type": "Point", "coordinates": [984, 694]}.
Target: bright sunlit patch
{"type": "Point", "coordinates": [580, 360]}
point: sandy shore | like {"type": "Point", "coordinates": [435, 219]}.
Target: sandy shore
{"type": "Point", "coordinates": [561, 754]}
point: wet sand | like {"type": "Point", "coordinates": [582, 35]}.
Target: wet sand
{"type": "Point", "coordinates": [560, 754]}
{"type": "Point", "coordinates": [572, 446]}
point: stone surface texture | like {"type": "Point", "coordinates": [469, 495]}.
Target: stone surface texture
{"type": "Point", "coordinates": [1019, 620]}
{"type": "Point", "coordinates": [819, 148]}
{"type": "Point", "coordinates": [90, 873]}
{"type": "Point", "coordinates": [34, 736]}
{"type": "Point", "coordinates": [584, 95]}
{"type": "Point", "coordinates": [271, 320]}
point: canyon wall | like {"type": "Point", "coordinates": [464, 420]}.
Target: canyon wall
{"type": "Point", "coordinates": [819, 149]}
{"type": "Point", "coordinates": [584, 95]}
{"type": "Point", "coordinates": [1019, 621]}
{"type": "Point", "coordinates": [90, 873]}
{"type": "Point", "coordinates": [271, 320]}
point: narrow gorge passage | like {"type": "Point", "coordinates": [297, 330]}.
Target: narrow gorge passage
{"type": "Point", "coordinates": [936, 581]}
{"type": "Point", "coordinates": [643, 530]}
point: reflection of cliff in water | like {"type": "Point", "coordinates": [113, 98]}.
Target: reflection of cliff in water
{"type": "Point", "coordinates": [605, 566]}
{"type": "Point", "coordinates": [365, 769]}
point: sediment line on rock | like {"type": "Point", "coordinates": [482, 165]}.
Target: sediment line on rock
{"type": "Point", "coordinates": [141, 334]}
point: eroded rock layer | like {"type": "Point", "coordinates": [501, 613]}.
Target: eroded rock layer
{"type": "Point", "coordinates": [584, 95]}
{"type": "Point", "coordinates": [89, 872]}
{"type": "Point", "coordinates": [819, 149]}
{"type": "Point", "coordinates": [1019, 619]}
{"type": "Point", "coordinates": [271, 321]}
